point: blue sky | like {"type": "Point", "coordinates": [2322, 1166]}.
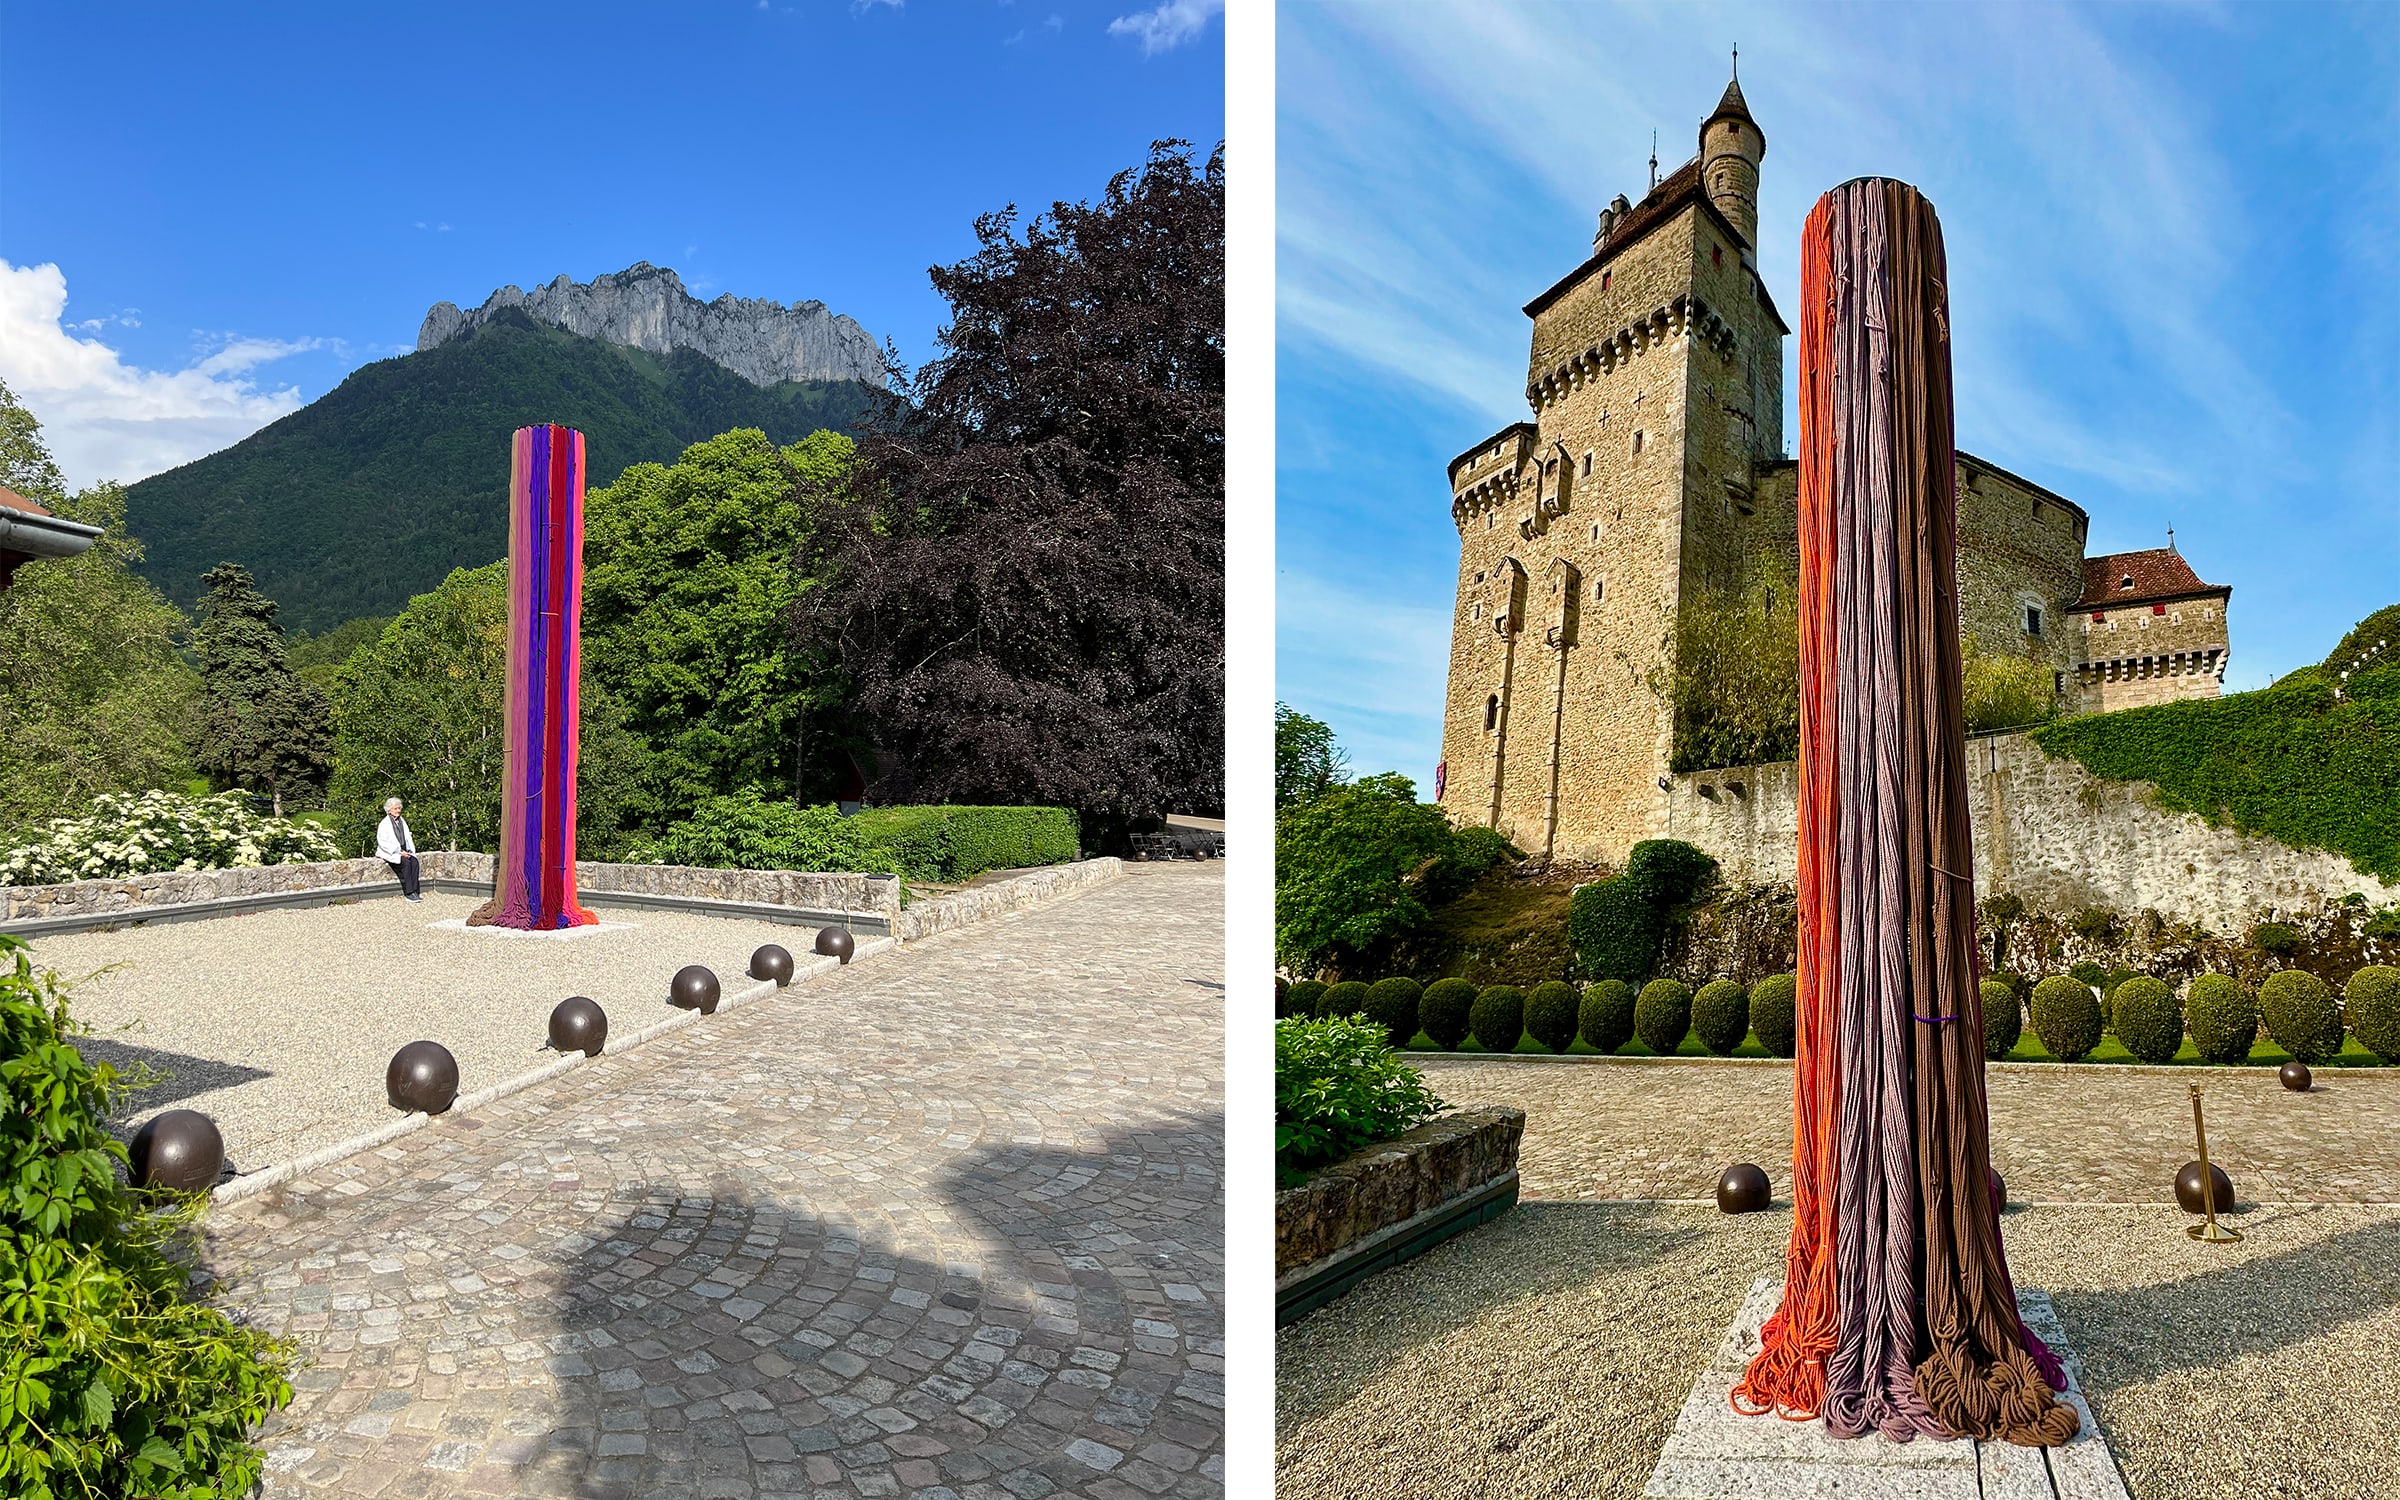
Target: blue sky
{"type": "Point", "coordinates": [2173, 232]}
{"type": "Point", "coordinates": [209, 214]}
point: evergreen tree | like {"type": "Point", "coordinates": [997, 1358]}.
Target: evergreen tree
{"type": "Point", "coordinates": [261, 727]}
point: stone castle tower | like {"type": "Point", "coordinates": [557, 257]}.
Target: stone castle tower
{"type": "Point", "coordinates": [1653, 470]}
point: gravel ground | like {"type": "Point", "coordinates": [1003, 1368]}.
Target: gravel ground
{"type": "Point", "coordinates": [279, 1023]}
{"type": "Point", "coordinates": [1547, 1353]}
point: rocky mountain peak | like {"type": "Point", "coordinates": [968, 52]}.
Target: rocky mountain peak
{"type": "Point", "coordinates": [646, 307]}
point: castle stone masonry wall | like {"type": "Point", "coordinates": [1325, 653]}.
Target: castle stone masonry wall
{"type": "Point", "coordinates": [2049, 832]}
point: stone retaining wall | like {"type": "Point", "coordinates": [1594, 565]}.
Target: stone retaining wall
{"type": "Point", "coordinates": [2051, 833]}
{"type": "Point", "coordinates": [1392, 1182]}
{"type": "Point", "coordinates": [965, 908]}
{"type": "Point", "coordinates": [134, 894]}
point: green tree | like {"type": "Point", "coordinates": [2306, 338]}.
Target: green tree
{"type": "Point", "coordinates": [261, 727]}
{"type": "Point", "coordinates": [418, 715]}
{"type": "Point", "coordinates": [318, 657]}
{"type": "Point", "coordinates": [1736, 682]}
{"type": "Point", "coordinates": [94, 695]}
{"type": "Point", "coordinates": [2004, 692]}
{"type": "Point", "coordinates": [1350, 869]}
{"type": "Point", "coordinates": [1308, 763]}
{"type": "Point", "coordinates": [688, 588]}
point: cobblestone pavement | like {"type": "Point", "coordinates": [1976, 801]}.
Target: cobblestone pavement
{"type": "Point", "coordinates": [2069, 1133]}
{"type": "Point", "coordinates": [948, 1226]}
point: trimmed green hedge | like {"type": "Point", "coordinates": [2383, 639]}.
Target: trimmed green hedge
{"type": "Point", "coordinates": [960, 843]}
{"type": "Point", "coordinates": [2148, 1019]}
{"type": "Point", "coordinates": [1721, 1016]}
{"type": "Point", "coordinates": [2373, 1000]}
{"type": "Point", "coordinates": [2066, 1016]}
{"type": "Point", "coordinates": [2300, 1014]}
{"type": "Point", "coordinates": [2222, 1017]}
{"type": "Point", "coordinates": [1552, 1013]}
{"type": "Point", "coordinates": [1498, 1018]}
{"type": "Point", "coordinates": [1662, 1015]}
{"type": "Point", "coordinates": [1614, 930]}
{"type": "Point", "coordinates": [2003, 1017]}
{"type": "Point", "coordinates": [1304, 996]}
{"type": "Point", "coordinates": [1445, 1011]}
{"type": "Point", "coordinates": [1394, 1003]}
{"type": "Point", "coordinates": [1774, 1014]}
{"type": "Point", "coordinates": [1605, 1018]}
{"type": "Point", "coordinates": [1348, 998]}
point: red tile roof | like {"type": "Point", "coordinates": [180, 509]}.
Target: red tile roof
{"type": "Point", "coordinates": [15, 501]}
{"type": "Point", "coordinates": [2160, 573]}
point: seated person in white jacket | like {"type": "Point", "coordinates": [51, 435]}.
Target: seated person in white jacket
{"type": "Point", "coordinates": [395, 848]}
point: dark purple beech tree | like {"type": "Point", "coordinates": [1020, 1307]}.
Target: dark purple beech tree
{"type": "Point", "coordinates": [1026, 584]}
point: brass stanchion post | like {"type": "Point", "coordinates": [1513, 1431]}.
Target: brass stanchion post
{"type": "Point", "coordinates": [2211, 1232]}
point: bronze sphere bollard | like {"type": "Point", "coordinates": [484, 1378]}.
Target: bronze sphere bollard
{"type": "Point", "coordinates": [774, 961]}
{"type": "Point", "coordinates": [2295, 1076]}
{"type": "Point", "coordinates": [579, 1025]}
{"type": "Point", "coordinates": [695, 988]}
{"type": "Point", "coordinates": [1743, 1189]}
{"type": "Point", "coordinates": [179, 1151]}
{"type": "Point", "coordinates": [422, 1078]}
{"type": "Point", "coordinates": [2188, 1193]}
{"type": "Point", "coordinates": [836, 942]}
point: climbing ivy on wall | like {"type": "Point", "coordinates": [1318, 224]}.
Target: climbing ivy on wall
{"type": "Point", "coordinates": [2313, 760]}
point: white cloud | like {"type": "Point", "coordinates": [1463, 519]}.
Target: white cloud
{"type": "Point", "coordinates": [106, 419]}
{"type": "Point", "coordinates": [1172, 24]}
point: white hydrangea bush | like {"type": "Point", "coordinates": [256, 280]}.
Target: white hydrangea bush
{"type": "Point", "coordinates": [151, 833]}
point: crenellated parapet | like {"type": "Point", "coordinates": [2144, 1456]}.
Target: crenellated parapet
{"type": "Point", "coordinates": [1682, 317]}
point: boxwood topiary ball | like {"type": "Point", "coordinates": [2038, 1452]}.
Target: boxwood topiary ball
{"type": "Point", "coordinates": [694, 988]}
{"type": "Point", "coordinates": [2294, 1075]}
{"type": "Point", "coordinates": [1349, 998]}
{"type": "Point", "coordinates": [2149, 1019]}
{"type": "Point", "coordinates": [1743, 1189]}
{"type": "Point", "coordinates": [2222, 1017]}
{"type": "Point", "coordinates": [1283, 991]}
{"type": "Point", "coordinates": [1393, 1003]}
{"type": "Point", "coordinates": [1662, 1015]}
{"type": "Point", "coordinates": [2300, 1014]}
{"type": "Point", "coordinates": [1445, 1011]}
{"type": "Point", "coordinates": [2003, 1017]}
{"type": "Point", "coordinates": [2066, 1016]}
{"type": "Point", "coordinates": [1999, 1190]}
{"type": "Point", "coordinates": [422, 1078]}
{"type": "Point", "coordinates": [1775, 1015]}
{"type": "Point", "coordinates": [2187, 1188]}
{"type": "Point", "coordinates": [1301, 1000]}
{"type": "Point", "coordinates": [1721, 1016]}
{"type": "Point", "coordinates": [578, 1024]}
{"type": "Point", "coordinates": [2372, 997]}
{"type": "Point", "coordinates": [1606, 1015]}
{"type": "Point", "coordinates": [1552, 1013]}
{"type": "Point", "coordinates": [179, 1151]}
{"type": "Point", "coordinates": [1498, 1018]}
{"type": "Point", "coordinates": [774, 961]}
{"type": "Point", "coordinates": [836, 943]}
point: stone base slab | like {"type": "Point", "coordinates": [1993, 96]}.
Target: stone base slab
{"type": "Point", "coordinates": [1716, 1453]}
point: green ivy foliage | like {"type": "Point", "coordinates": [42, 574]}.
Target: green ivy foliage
{"type": "Point", "coordinates": [1338, 1087]}
{"type": "Point", "coordinates": [114, 1380]}
{"type": "Point", "coordinates": [2312, 760]}
{"type": "Point", "coordinates": [1616, 925]}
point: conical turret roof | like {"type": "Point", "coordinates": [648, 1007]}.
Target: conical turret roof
{"type": "Point", "coordinates": [1731, 107]}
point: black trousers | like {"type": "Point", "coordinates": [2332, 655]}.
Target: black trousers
{"type": "Point", "coordinates": [407, 871]}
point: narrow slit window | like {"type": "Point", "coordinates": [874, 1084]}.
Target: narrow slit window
{"type": "Point", "coordinates": [1491, 713]}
